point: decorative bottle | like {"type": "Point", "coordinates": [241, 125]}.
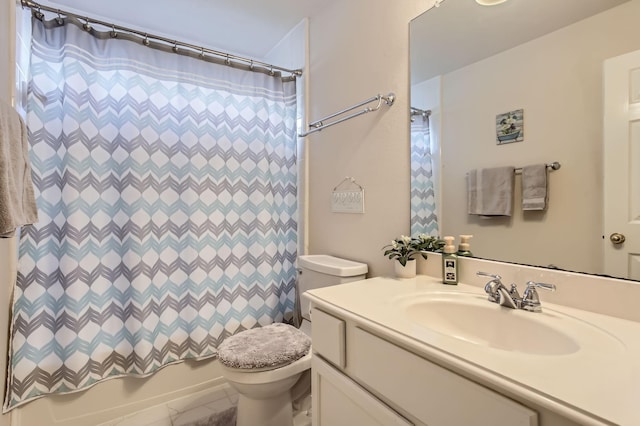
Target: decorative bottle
{"type": "Point", "coordinates": [464, 248]}
{"type": "Point", "coordinates": [449, 262]}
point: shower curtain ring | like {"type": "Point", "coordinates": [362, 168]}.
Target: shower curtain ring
{"type": "Point", "coordinates": [38, 14]}
{"type": "Point", "coordinates": [146, 40]}
{"type": "Point", "coordinates": [227, 61]}
{"type": "Point", "coordinates": [202, 53]}
{"type": "Point", "coordinates": [271, 72]}
{"type": "Point", "coordinates": [175, 46]}
{"type": "Point", "coordinates": [59, 19]}
{"type": "Point", "coordinates": [86, 25]}
{"type": "Point", "coordinates": [251, 65]}
{"type": "Point", "coordinates": [113, 34]}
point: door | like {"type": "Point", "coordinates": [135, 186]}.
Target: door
{"type": "Point", "coordinates": [622, 166]}
{"type": "Point", "coordinates": [339, 401]}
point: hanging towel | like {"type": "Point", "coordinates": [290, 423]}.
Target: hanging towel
{"type": "Point", "coordinates": [534, 187]}
{"type": "Point", "coordinates": [490, 191]}
{"type": "Point", "coordinates": [17, 200]}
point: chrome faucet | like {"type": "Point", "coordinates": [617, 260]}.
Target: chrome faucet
{"type": "Point", "coordinates": [510, 298]}
{"type": "Point", "coordinates": [498, 292]}
{"type": "Point", "coordinates": [530, 300]}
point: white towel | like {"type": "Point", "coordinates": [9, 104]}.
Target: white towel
{"type": "Point", "coordinates": [534, 187]}
{"type": "Point", "coordinates": [490, 191]}
{"type": "Point", "coordinates": [17, 200]}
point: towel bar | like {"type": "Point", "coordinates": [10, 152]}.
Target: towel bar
{"type": "Point", "coordinates": [553, 166]}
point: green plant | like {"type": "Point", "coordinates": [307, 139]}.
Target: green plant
{"type": "Point", "coordinates": [402, 249]}
{"type": "Point", "coordinates": [405, 248]}
{"type": "Point", "coordinates": [429, 243]}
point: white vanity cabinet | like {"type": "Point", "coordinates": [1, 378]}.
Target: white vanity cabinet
{"type": "Point", "coordinates": [360, 378]}
{"type": "Point", "coordinates": [416, 352]}
{"type": "Point", "coordinates": [339, 401]}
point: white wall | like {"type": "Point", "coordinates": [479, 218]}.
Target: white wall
{"type": "Point", "coordinates": [7, 44]}
{"type": "Point", "coordinates": [557, 79]}
{"type": "Point", "coordinates": [359, 48]}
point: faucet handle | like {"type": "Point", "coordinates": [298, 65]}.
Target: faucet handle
{"type": "Point", "coordinates": [513, 292]}
{"type": "Point", "coordinates": [530, 299]}
{"type": "Point", "coordinates": [486, 274]}
{"type": "Point", "coordinates": [491, 287]}
{"type": "Point", "coordinates": [533, 285]}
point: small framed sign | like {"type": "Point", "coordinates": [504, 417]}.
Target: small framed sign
{"type": "Point", "coordinates": [510, 127]}
{"type": "Point", "coordinates": [347, 197]}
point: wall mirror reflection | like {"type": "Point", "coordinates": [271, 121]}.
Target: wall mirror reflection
{"type": "Point", "coordinates": [471, 63]}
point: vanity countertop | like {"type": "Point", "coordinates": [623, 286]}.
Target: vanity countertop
{"type": "Point", "coordinates": [598, 384]}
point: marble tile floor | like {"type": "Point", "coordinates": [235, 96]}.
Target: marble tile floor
{"type": "Point", "coordinates": [215, 407]}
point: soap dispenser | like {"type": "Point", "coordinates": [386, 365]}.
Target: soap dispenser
{"type": "Point", "coordinates": [464, 248]}
{"type": "Point", "coordinates": [449, 262]}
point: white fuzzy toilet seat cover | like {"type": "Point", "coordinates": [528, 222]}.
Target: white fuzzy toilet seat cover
{"type": "Point", "coordinates": [272, 346]}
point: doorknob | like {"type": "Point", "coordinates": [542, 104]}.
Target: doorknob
{"type": "Point", "coordinates": [617, 238]}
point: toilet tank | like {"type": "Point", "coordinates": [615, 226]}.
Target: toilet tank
{"type": "Point", "coordinates": [320, 270]}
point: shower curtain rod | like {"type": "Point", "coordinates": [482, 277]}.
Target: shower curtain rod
{"type": "Point", "coordinates": [421, 112]}
{"type": "Point", "coordinates": [228, 58]}
{"type": "Point", "coordinates": [418, 111]}
{"type": "Point", "coordinates": [318, 125]}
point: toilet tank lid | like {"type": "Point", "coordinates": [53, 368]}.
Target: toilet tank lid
{"type": "Point", "coordinates": [332, 265]}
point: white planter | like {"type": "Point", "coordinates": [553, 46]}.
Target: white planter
{"type": "Point", "coordinates": [407, 271]}
{"type": "Point", "coordinates": [421, 265]}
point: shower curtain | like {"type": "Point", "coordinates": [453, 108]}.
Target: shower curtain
{"type": "Point", "coordinates": [424, 219]}
{"type": "Point", "coordinates": [166, 188]}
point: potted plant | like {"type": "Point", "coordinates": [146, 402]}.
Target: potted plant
{"type": "Point", "coordinates": [426, 243]}
{"type": "Point", "coordinates": [406, 249]}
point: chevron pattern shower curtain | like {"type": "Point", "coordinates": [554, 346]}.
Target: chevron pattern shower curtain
{"type": "Point", "coordinates": [424, 219]}
{"type": "Point", "coordinates": [166, 189]}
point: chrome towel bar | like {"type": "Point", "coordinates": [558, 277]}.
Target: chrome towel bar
{"type": "Point", "coordinates": [318, 125]}
{"type": "Point", "coordinates": [550, 166]}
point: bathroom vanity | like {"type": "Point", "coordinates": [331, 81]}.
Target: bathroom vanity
{"type": "Point", "coordinates": [417, 352]}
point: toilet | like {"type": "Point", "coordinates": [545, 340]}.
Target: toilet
{"type": "Point", "coordinates": [270, 366]}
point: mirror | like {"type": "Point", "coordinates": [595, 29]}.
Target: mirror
{"type": "Point", "coordinates": [472, 63]}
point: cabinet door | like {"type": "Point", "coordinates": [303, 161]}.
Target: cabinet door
{"type": "Point", "coordinates": [328, 337]}
{"type": "Point", "coordinates": [338, 401]}
{"type": "Point", "coordinates": [434, 395]}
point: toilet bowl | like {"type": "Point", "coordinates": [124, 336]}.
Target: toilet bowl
{"type": "Point", "coordinates": [265, 396]}
{"type": "Point", "coordinates": [269, 367]}
{"type": "Point", "coordinates": [263, 365]}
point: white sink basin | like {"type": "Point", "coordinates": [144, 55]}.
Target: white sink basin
{"type": "Point", "coordinates": [472, 318]}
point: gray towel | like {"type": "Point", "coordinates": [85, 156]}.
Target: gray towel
{"type": "Point", "coordinates": [490, 191]}
{"type": "Point", "coordinates": [534, 187]}
{"type": "Point", "coordinates": [17, 200]}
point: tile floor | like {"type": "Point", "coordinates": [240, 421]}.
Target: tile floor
{"type": "Point", "coordinates": [215, 407]}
